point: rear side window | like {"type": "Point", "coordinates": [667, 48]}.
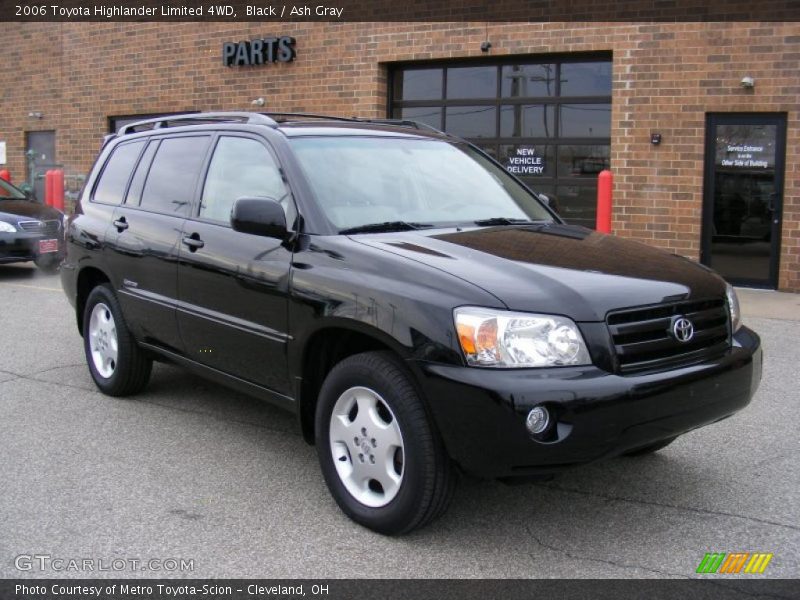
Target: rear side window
{"type": "Point", "coordinates": [137, 183]}
{"type": "Point", "coordinates": [110, 189]}
{"type": "Point", "coordinates": [240, 167]}
{"type": "Point", "coordinates": [173, 175]}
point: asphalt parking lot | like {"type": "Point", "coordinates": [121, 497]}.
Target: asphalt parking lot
{"type": "Point", "coordinates": [191, 470]}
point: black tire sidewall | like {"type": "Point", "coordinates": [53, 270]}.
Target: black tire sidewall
{"type": "Point", "coordinates": [103, 294]}
{"type": "Point", "coordinates": [418, 449]}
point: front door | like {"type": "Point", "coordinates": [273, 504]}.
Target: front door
{"type": "Point", "coordinates": [233, 286]}
{"type": "Point", "coordinates": [742, 200]}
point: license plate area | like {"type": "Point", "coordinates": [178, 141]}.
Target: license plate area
{"type": "Point", "coordinates": [48, 246]}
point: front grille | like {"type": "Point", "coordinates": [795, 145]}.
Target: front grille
{"type": "Point", "coordinates": [49, 228]}
{"type": "Point", "coordinates": [30, 225]}
{"type": "Point", "coordinates": [643, 338]}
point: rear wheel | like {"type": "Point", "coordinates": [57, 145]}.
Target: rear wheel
{"type": "Point", "coordinates": [649, 449]}
{"type": "Point", "coordinates": [117, 365]}
{"type": "Point", "coordinates": [380, 455]}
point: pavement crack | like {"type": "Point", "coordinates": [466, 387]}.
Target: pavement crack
{"type": "Point", "coordinates": [71, 366]}
{"type": "Point", "coordinates": [667, 505]}
{"type": "Point", "coordinates": [614, 563]}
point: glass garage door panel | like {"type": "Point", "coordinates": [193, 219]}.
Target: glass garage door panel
{"type": "Point", "coordinates": [546, 121]}
{"type": "Point", "coordinates": [418, 84]}
{"type": "Point", "coordinates": [430, 115]}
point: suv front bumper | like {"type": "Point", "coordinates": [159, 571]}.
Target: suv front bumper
{"type": "Point", "coordinates": [481, 412]}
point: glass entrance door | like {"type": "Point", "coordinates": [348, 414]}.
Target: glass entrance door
{"type": "Point", "coordinates": [743, 191]}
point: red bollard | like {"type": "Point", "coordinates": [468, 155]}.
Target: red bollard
{"type": "Point", "coordinates": [5, 174]}
{"type": "Point", "coordinates": [58, 189]}
{"type": "Point", "coordinates": [605, 182]}
{"type": "Point", "coordinates": [48, 188]}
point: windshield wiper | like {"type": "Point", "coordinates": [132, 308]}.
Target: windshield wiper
{"type": "Point", "coordinates": [502, 221]}
{"type": "Point", "coordinates": [385, 226]}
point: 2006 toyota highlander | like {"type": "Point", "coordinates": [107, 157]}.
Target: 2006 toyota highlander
{"type": "Point", "coordinates": [419, 309]}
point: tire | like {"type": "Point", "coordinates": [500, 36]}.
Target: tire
{"type": "Point", "coordinates": [119, 373]}
{"type": "Point", "coordinates": [48, 265]}
{"type": "Point", "coordinates": [649, 449]}
{"type": "Point", "coordinates": [416, 478]}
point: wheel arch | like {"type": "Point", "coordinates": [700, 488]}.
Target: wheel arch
{"type": "Point", "coordinates": [88, 278]}
{"type": "Point", "coordinates": [326, 346]}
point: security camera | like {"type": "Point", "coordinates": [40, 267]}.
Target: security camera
{"type": "Point", "coordinates": [486, 46]}
{"type": "Point", "coordinates": [747, 82]}
{"type": "Point", "coordinates": [258, 102]}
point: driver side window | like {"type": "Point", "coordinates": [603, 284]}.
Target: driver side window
{"type": "Point", "coordinates": [240, 167]}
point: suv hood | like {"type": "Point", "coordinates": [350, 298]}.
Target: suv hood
{"type": "Point", "coordinates": [12, 209]}
{"type": "Point", "coordinates": [556, 269]}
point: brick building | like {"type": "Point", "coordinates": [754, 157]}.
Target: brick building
{"type": "Point", "coordinates": [722, 184]}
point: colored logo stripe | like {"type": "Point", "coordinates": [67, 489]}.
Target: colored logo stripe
{"type": "Point", "coordinates": [711, 562]}
{"type": "Point", "coordinates": [720, 562]}
{"type": "Point", "coordinates": [758, 564]}
{"type": "Point", "coordinates": [734, 562]}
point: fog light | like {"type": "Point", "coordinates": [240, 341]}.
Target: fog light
{"type": "Point", "coordinates": [538, 420]}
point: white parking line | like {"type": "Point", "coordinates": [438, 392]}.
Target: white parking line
{"type": "Point", "coordinates": [36, 287]}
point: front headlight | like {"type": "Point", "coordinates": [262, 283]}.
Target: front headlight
{"type": "Point", "coordinates": [499, 338]}
{"type": "Point", "coordinates": [7, 227]}
{"type": "Point", "coordinates": [733, 307]}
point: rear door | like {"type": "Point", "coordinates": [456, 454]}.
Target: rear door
{"type": "Point", "coordinates": [233, 286]}
{"type": "Point", "coordinates": [144, 243]}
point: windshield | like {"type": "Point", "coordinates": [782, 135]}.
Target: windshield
{"type": "Point", "coordinates": [9, 191]}
{"type": "Point", "coordinates": [362, 181]}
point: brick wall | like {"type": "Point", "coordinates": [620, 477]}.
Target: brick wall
{"type": "Point", "coordinates": [666, 78]}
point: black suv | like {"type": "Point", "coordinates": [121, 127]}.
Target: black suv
{"type": "Point", "coordinates": [29, 231]}
{"type": "Point", "coordinates": [418, 308]}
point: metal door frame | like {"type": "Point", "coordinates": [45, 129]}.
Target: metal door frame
{"type": "Point", "coordinates": [735, 118]}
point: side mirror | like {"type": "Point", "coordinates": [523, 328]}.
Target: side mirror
{"type": "Point", "coordinates": [545, 198]}
{"type": "Point", "coordinates": [259, 216]}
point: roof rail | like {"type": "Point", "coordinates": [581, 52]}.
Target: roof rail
{"type": "Point", "coordinates": [397, 122]}
{"type": "Point", "coordinates": [405, 123]}
{"type": "Point", "coordinates": [309, 116]}
{"type": "Point", "coordinates": [176, 120]}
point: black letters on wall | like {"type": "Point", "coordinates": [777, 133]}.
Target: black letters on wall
{"type": "Point", "coordinates": [259, 52]}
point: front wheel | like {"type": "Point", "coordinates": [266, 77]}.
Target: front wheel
{"type": "Point", "coordinates": [380, 455]}
{"type": "Point", "coordinates": [117, 364]}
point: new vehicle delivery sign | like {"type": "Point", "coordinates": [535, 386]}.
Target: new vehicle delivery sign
{"type": "Point", "coordinates": [525, 161]}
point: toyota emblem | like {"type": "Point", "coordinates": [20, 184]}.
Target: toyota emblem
{"type": "Point", "coordinates": [682, 329]}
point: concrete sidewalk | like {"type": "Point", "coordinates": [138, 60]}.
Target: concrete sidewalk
{"type": "Point", "coordinates": [769, 304]}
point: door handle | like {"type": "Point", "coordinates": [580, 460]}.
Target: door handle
{"type": "Point", "coordinates": [773, 198]}
{"type": "Point", "coordinates": [193, 242]}
{"type": "Point", "coordinates": [121, 224]}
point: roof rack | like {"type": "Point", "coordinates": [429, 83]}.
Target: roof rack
{"type": "Point", "coordinates": [309, 116]}
{"type": "Point", "coordinates": [406, 123]}
{"type": "Point", "coordinates": [268, 119]}
{"type": "Point", "coordinates": [210, 117]}
{"type": "Point", "coordinates": [397, 122]}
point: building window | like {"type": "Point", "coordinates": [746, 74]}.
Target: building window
{"type": "Point", "coordinates": [548, 121]}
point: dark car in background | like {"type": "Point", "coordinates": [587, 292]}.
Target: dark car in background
{"type": "Point", "coordinates": [29, 230]}
{"type": "Point", "coordinates": [418, 309]}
